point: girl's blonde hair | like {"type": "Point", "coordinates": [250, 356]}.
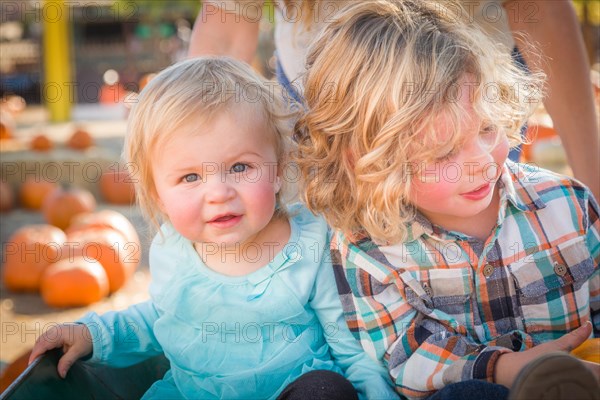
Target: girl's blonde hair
{"type": "Point", "coordinates": [379, 75]}
{"type": "Point", "coordinates": [199, 89]}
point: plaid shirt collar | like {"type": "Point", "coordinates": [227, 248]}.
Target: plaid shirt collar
{"type": "Point", "coordinates": [516, 189]}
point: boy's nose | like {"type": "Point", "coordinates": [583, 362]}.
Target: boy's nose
{"type": "Point", "coordinates": [479, 154]}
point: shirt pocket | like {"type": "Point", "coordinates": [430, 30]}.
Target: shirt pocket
{"type": "Point", "coordinates": [442, 294]}
{"type": "Point", "coordinates": [552, 288]}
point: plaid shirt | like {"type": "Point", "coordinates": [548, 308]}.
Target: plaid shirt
{"type": "Point", "coordinates": [441, 307]}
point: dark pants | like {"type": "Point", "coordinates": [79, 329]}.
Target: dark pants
{"type": "Point", "coordinates": [319, 385]}
{"type": "Point", "coordinates": [471, 390]}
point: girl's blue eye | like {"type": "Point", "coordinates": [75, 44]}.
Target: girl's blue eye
{"type": "Point", "coordinates": [239, 167]}
{"type": "Point", "coordinates": [191, 178]}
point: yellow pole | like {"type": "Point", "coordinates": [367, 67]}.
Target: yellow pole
{"type": "Point", "coordinates": [58, 90]}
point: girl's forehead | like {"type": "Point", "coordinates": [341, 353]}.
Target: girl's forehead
{"type": "Point", "coordinates": [231, 119]}
{"type": "Point", "coordinates": [224, 126]}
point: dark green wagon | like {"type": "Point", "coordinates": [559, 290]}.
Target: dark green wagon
{"type": "Point", "coordinates": [84, 381]}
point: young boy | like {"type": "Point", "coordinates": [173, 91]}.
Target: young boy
{"type": "Point", "coordinates": [455, 266]}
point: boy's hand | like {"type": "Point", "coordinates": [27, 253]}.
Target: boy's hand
{"type": "Point", "coordinates": [509, 365]}
{"type": "Point", "coordinates": [75, 340]}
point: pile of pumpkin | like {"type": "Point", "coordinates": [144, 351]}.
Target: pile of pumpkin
{"type": "Point", "coordinates": [78, 257]}
{"type": "Point", "coordinates": [80, 139]}
{"type": "Point", "coordinates": [115, 186]}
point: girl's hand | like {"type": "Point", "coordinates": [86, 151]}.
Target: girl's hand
{"type": "Point", "coordinates": [75, 340]}
{"type": "Point", "coordinates": [509, 365]}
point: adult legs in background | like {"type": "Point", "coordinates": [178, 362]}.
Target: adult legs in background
{"type": "Point", "coordinates": [515, 153]}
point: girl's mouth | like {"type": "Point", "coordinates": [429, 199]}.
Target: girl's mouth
{"type": "Point", "coordinates": [225, 221]}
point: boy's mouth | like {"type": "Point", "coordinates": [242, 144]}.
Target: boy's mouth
{"type": "Point", "coordinates": [479, 192]}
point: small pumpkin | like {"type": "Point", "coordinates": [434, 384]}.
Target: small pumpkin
{"type": "Point", "coordinates": [5, 131]}
{"type": "Point", "coordinates": [28, 252]}
{"type": "Point", "coordinates": [106, 219]}
{"type": "Point", "coordinates": [74, 282]}
{"type": "Point", "coordinates": [80, 140]}
{"type": "Point", "coordinates": [117, 187]}
{"type": "Point", "coordinates": [64, 202]}
{"type": "Point", "coordinates": [112, 94]}
{"type": "Point", "coordinates": [145, 80]}
{"type": "Point", "coordinates": [33, 192]}
{"type": "Point", "coordinates": [41, 143]}
{"type": "Point", "coordinates": [7, 197]}
{"type": "Point", "coordinates": [110, 248]}
{"type": "Point", "coordinates": [588, 350]}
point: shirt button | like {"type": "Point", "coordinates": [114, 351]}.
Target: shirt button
{"type": "Point", "coordinates": [427, 290]}
{"type": "Point", "coordinates": [560, 269]}
{"type": "Point", "coordinates": [488, 270]}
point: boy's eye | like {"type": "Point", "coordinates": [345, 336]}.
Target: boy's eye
{"type": "Point", "coordinates": [191, 178]}
{"type": "Point", "coordinates": [489, 130]}
{"type": "Point", "coordinates": [239, 167]}
{"type": "Point", "coordinates": [447, 156]}
{"type": "Point", "coordinates": [489, 134]}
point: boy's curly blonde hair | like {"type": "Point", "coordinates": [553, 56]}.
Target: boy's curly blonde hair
{"type": "Point", "coordinates": [198, 90]}
{"type": "Point", "coordinates": [379, 75]}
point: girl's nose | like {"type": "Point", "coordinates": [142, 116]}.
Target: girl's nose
{"type": "Point", "coordinates": [218, 189]}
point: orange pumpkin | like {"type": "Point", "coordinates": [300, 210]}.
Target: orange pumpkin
{"type": "Point", "coordinates": [5, 131]}
{"type": "Point", "coordinates": [112, 94]}
{"type": "Point", "coordinates": [7, 197]}
{"type": "Point", "coordinates": [588, 350]}
{"type": "Point", "coordinates": [110, 248]}
{"type": "Point", "coordinates": [145, 80]}
{"type": "Point", "coordinates": [80, 140]}
{"type": "Point", "coordinates": [74, 282]}
{"type": "Point", "coordinates": [41, 143]}
{"type": "Point", "coordinates": [33, 192]}
{"type": "Point", "coordinates": [106, 219]}
{"type": "Point", "coordinates": [28, 252]}
{"type": "Point", "coordinates": [117, 187]}
{"type": "Point", "coordinates": [63, 203]}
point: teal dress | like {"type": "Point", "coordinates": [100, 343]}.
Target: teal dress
{"type": "Point", "coordinates": [244, 337]}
